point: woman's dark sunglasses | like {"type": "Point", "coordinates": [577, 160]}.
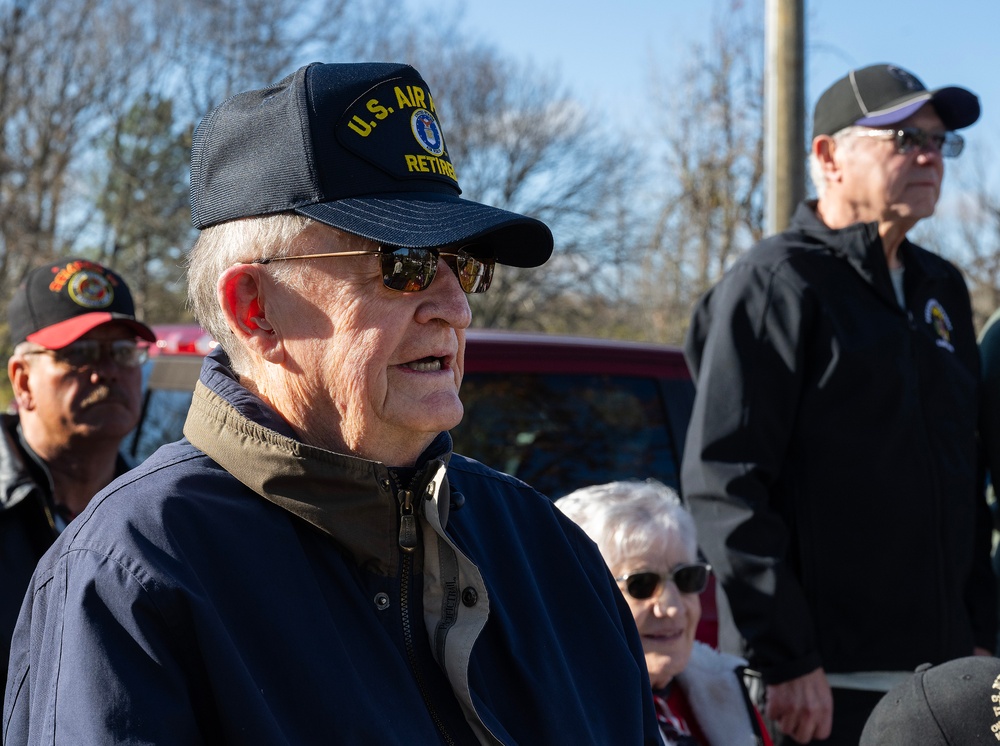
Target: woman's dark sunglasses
{"type": "Point", "coordinates": [412, 270]}
{"type": "Point", "coordinates": [688, 579]}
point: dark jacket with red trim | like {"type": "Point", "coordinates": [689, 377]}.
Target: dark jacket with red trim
{"type": "Point", "coordinates": [831, 460]}
{"type": "Point", "coordinates": [244, 588]}
{"type": "Point", "coordinates": [27, 527]}
{"type": "Point", "coordinates": [27, 523]}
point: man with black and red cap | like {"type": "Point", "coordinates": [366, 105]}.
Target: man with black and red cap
{"type": "Point", "coordinates": [313, 564]}
{"type": "Point", "coordinates": [831, 457]}
{"type": "Point", "coordinates": [77, 387]}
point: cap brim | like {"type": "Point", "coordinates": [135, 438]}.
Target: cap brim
{"type": "Point", "coordinates": [956, 106]}
{"type": "Point", "coordinates": [57, 336]}
{"type": "Point", "coordinates": [438, 220]}
{"type": "Point", "coordinates": [896, 113]}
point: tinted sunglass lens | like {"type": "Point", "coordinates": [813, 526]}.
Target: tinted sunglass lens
{"type": "Point", "coordinates": [408, 270]}
{"type": "Point", "coordinates": [474, 274]}
{"type": "Point", "coordinates": [908, 140]}
{"type": "Point", "coordinates": [691, 578]}
{"type": "Point", "coordinates": [952, 145]}
{"type": "Point", "coordinates": [642, 585]}
{"type": "Point", "coordinates": [948, 144]}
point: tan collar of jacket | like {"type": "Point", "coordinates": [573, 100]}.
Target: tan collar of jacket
{"type": "Point", "coordinates": [351, 499]}
{"type": "Point", "coordinates": [354, 501]}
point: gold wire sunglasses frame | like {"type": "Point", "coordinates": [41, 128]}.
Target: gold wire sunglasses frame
{"type": "Point", "coordinates": [409, 270]}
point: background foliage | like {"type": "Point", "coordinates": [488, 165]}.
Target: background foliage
{"type": "Point", "coordinates": [99, 98]}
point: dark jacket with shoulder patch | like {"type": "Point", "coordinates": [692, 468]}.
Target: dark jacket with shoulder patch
{"type": "Point", "coordinates": [831, 459]}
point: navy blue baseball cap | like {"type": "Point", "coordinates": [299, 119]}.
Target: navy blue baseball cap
{"type": "Point", "coordinates": [956, 703]}
{"type": "Point", "coordinates": [880, 95]}
{"type": "Point", "coordinates": [356, 146]}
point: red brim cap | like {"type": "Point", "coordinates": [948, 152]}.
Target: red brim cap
{"type": "Point", "coordinates": [57, 336]}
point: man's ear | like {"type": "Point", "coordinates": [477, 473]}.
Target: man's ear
{"type": "Point", "coordinates": [243, 297]}
{"type": "Point", "coordinates": [18, 373]}
{"type": "Point", "coordinates": [824, 149]}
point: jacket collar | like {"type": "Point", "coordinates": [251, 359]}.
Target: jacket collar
{"type": "Point", "coordinates": [21, 472]}
{"type": "Point", "coordinates": [351, 499]}
{"type": "Point", "coordinates": [861, 245]}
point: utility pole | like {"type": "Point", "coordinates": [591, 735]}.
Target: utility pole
{"type": "Point", "coordinates": [784, 113]}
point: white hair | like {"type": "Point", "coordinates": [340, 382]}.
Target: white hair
{"type": "Point", "coordinates": [24, 348]}
{"type": "Point", "coordinates": [816, 172]}
{"type": "Point", "coordinates": [219, 247]}
{"type": "Point", "coordinates": [631, 519]}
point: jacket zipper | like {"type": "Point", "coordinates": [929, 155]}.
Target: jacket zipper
{"type": "Point", "coordinates": [408, 540]}
{"type": "Point", "coordinates": [934, 476]}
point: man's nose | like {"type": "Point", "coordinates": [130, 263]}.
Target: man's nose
{"type": "Point", "coordinates": [445, 299]}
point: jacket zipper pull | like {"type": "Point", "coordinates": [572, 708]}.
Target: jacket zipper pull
{"type": "Point", "coordinates": [407, 523]}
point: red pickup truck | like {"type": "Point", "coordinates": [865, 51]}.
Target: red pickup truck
{"type": "Point", "coordinates": [558, 412]}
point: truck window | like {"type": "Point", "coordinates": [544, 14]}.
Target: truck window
{"type": "Point", "coordinates": [558, 432]}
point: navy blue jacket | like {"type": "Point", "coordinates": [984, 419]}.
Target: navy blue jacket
{"type": "Point", "coordinates": [260, 595]}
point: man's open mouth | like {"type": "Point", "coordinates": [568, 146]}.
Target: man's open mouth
{"type": "Point", "coordinates": [426, 365]}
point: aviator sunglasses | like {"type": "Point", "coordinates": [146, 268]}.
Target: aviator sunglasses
{"type": "Point", "coordinates": [911, 139]}
{"type": "Point", "coordinates": [688, 579]}
{"type": "Point", "coordinates": [412, 270]}
{"type": "Point", "coordinates": [87, 353]}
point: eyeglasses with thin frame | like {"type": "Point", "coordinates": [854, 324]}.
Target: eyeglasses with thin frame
{"type": "Point", "coordinates": [409, 270]}
{"type": "Point", "coordinates": [87, 353]}
{"type": "Point", "coordinates": [911, 139]}
{"type": "Point", "coordinates": [689, 578]}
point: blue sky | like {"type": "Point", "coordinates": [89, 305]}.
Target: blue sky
{"type": "Point", "coordinates": [604, 50]}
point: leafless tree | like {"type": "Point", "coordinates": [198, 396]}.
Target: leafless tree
{"type": "Point", "coordinates": [630, 252]}
{"type": "Point", "coordinates": [521, 142]}
{"type": "Point", "coordinates": [715, 155]}
{"type": "Point", "coordinates": [966, 227]}
{"type": "Point", "coordinates": [73, 71]}
{"type": "Point", "coordinates": [676, 226]}
{"type": "Point", "coordinates": [63, 71]}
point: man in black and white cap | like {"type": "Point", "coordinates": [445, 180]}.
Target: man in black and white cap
{"type": "Point", "coordinates": [831, 457]}
{"type": "Point", "coordinates": [77, 385]}
{"type": "Point", "coordinates": [312, 564]}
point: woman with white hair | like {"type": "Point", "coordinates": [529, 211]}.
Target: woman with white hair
{"type": "Point", "coordinates": [648, 540]}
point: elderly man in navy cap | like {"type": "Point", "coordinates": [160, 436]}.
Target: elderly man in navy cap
{"type": "Point", "coordinates": [831, 457]}
{"type": "Point", "coordinates": [312, 564]}
{"type": "Point", "coordinates": [75, 375]}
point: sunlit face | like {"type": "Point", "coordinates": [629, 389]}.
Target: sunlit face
{"type": "Point", "coordinates": [883, 185]}
{"type": "Point", "coordinates": [377, 371]}
{"type": "Point", "coordinates": [100, 401]}
{"type": "Point", "coordinates": [667, 621]}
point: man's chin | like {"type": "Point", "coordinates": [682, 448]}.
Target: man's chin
{"type": "Point", "coordinates": [443, 412]}
{"type": "Point", "coordinates": [107, 422]}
